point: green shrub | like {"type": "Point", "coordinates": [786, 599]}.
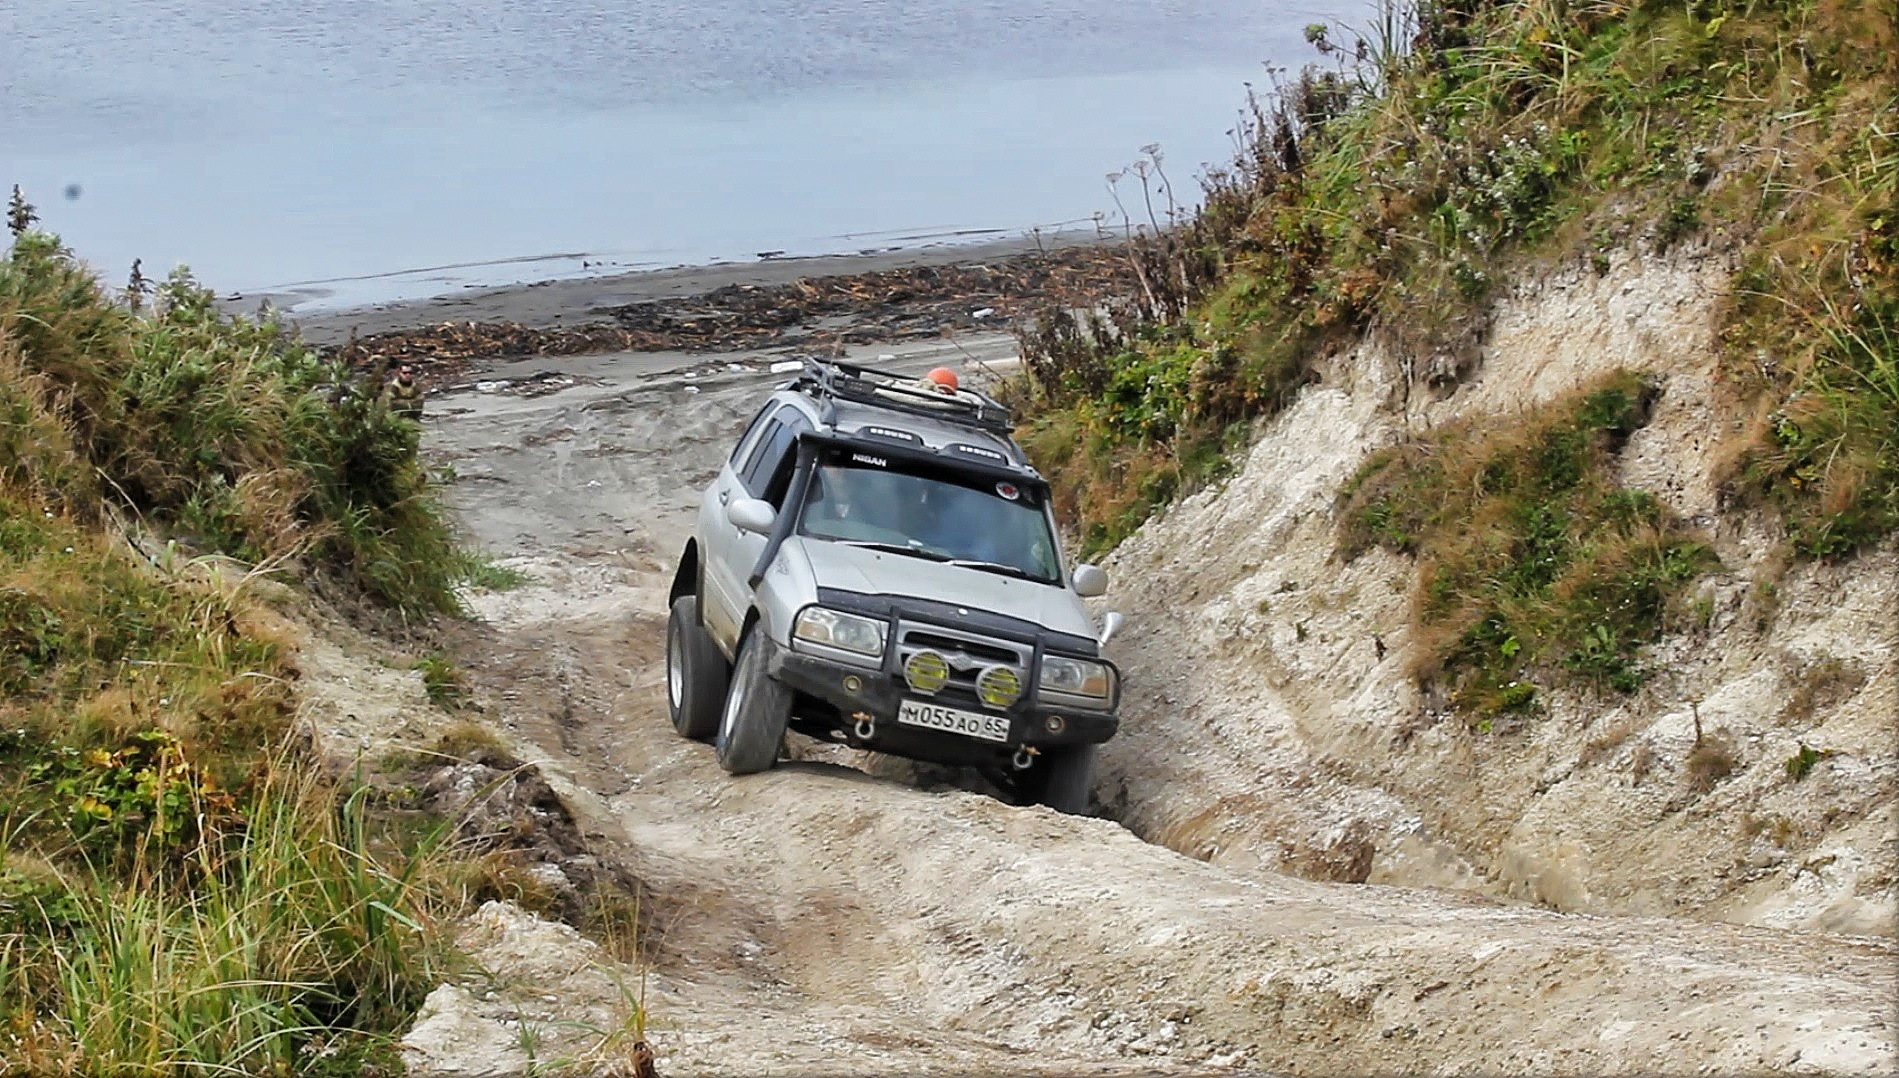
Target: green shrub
{"type": "Point", "coordinates": [225, 429]}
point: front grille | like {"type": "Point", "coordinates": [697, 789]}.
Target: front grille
{"type": "Point", "coordinates": [967, 655]}
{"type": "Point", "coordinates": [975, 647]}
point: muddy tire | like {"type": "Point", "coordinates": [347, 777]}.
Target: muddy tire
{"type": "Point", "coordinates": [1062, 779]}
{"type": "Point", "coordinates": [696, 674]}
{"type": "Point", "coordinates": [752, 723]}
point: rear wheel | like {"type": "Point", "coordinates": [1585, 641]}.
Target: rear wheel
{"type": "Point", "coordinates": [696, 674]}
{"type": "Point", "coordinates": [1062, 778]}
{"type": "Point", "coordinates": [757, 709]}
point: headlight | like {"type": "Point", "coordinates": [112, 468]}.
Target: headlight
{"type": "Point", "coordinates": [1076, 677]}
{"type": "Point", "coordinates": [834, 628]}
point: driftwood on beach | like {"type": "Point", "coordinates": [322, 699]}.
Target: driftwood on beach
{"type": "Point", "coordinates": [819, 315]}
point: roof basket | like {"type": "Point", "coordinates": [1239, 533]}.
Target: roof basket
{"type": "Point", "coordinates": [831, 380]}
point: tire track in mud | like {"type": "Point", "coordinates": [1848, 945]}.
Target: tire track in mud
{"type": "Point", "coordinates": [855, 922]}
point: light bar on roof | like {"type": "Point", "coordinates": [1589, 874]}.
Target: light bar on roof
{"type": "Point", "coordinates": [891, 432]}
{"type": "Point", "coordinates": [976, 451]}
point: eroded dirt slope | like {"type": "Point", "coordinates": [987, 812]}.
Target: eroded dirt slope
{"type": "Point", "coordinates": [1272, 725]}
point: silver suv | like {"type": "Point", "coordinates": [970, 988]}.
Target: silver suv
{"type": "Point", "coordinates": [877, 564]}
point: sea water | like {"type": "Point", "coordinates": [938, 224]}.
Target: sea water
{"type": "Point", "coordinates": [380, 148]}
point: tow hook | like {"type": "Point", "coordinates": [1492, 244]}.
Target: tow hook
{"type": "Point", "coordinates": [865, 730]}
{"type": "Point", "coordinates": [1024, 757]}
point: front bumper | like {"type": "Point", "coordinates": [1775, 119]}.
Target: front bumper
{"type": "Point", "coordinates": [878, 693]}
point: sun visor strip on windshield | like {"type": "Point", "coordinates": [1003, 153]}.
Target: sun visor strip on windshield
{"type": "Point", "coordinates": [967, 462]}
{"type": "Point", "coordinates": [998, 625]}
{"type": "Point", "coordinates": [787, 515]}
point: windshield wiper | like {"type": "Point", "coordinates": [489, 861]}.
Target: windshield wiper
{"type": "Point", "coordinates": [991, 567]}
{"type": "Point", "coordinates": [896, 548]}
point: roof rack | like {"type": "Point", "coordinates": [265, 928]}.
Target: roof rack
{"type": "Point", "coordinates": [832, 380]}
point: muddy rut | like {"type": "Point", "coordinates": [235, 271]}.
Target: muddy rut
{"type": "Point", "coordinates": [841, 915]}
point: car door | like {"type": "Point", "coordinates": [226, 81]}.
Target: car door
{"type": "Point", "coordinates": [715, 533]}
{"type": "Point", "coordinates": [764, 473]}
{"type": "Point", "coordinates": [767, 478]}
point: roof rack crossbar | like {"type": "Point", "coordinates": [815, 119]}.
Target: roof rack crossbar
{"type": "Point", "coordinates": [832, 380]}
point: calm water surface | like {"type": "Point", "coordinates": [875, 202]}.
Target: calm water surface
{"type": "Point", "coordinates": [400, 147]}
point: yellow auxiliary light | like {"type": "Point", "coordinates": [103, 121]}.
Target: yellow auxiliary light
{"type": "Point", "coordinates": [999, 686]}
{"type": "Point", "coordinates": [927, 672]}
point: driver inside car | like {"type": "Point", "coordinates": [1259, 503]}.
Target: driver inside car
{"type": "Point", "coordinates": [843, 505]}
{"type": "Point", "coordinates": [952, 521]}
{"type": "Point", "coordinates": [829, 503]}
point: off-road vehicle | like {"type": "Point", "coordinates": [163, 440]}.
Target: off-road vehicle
{"type": "Point", "coordinates": [877, 564]}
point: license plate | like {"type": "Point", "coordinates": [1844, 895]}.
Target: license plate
{"type": "Point", "coordinates": [954, 720]}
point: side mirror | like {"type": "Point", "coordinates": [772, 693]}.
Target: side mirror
{"type": "Point", "coordinates": [1090, 581]}
{"type": "Point", "coordinates": [752, 515]}
{"type": "Point", "coordinates": [1110, 625]}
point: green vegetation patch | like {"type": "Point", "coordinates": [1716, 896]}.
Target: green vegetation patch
{"type": "Point", "coordinates": [229, 432]}
{"type": "Point", "coordinates": [1535, 567]}
{"type": "Point", "coordinates": [291, 944]}
{"type": "Point", "coordinates": [180, 890]}
{"type": "Point", "coordinates": [175, 893]}
{"type": "Point", "coordinates": [96, 645]}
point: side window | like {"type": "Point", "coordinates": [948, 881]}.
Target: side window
{"type": "Point", "coordinates": [761, 449]}
{"type": "Point", "coordinates": [749, 439]}
{"type": "Point", "coordinates": [769, 469]}
{"type": "Point", "coordinates": [779, 481]}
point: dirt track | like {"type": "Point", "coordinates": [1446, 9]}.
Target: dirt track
{"type": "Point", "coordinates": [832, 918]}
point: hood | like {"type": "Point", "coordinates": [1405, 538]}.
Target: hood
{"type": "Point", "coordinates": [876, 572]}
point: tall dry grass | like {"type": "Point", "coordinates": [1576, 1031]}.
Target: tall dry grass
{"type": "Point", "coordinates": [293, 936]}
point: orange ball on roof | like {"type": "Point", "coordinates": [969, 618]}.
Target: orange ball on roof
{"type": "Point", "coordinates": [943, 377]}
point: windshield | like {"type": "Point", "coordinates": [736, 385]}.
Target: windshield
{"type": "Point", "coordinates": [943, 517]}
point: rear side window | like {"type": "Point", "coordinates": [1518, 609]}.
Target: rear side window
{"type": "Point", "coordinates": [761, 449]}
{"type": "Point", "coordinates": [749, 439]}
{"type": "Point", "coordinates": [767, 474]}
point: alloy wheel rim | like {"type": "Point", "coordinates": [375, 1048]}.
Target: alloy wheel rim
{"type": "Point", "coordinates": [675, 675]}
{"type": "Point", "coordinates": [734, 699]}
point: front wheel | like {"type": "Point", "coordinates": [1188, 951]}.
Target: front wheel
{"type": "Point", "coordinates": [1063, 779]}
{"type": "Point", "coordinates": [757, 709]}
{"type": "Point", "coordinates": [696, 673]}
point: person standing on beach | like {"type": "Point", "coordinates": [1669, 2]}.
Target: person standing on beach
{"type": "Point", "coordinates": [404, 394]}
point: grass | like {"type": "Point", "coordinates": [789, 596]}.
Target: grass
{"type": "Point", "coordinates": [105, 665]}
{"type": "Point", "coordinates": [239, 956]}
{"type": "Point", "coordinates": [1535, 567]}
{"type": "Point", "coordinates": [446, 685]}
{"type": "Point", "coordinates": [177, 889]}
{"type": "Point", "coordinates": [1384, 193]}
{"type": "Point", "coordinates": [493, 576]}
{"type": "Point", "coordinates": [229, 433]}
{"type": "Point", "coordinates": [180, 890]}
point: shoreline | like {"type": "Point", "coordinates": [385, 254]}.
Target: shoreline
{"type": "Point", "coordinates": [572, 301]}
